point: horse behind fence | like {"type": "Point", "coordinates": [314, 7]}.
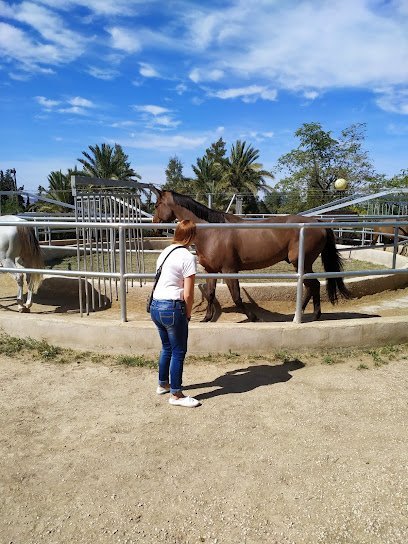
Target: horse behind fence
{"type": "Point", "coordinates": [19, 247]}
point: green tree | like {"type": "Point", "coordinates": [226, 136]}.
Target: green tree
{"type": "Point", "coordinates": [11, 203]}
{"type": "Point", "coordinates": [59, 188]}
{"type": "Point", "coordinates": [107, 162]}
{"type": "Point", "coordinates": [209, 171]}
{"type": "Point", "coordinates": [313, 167]}
{"type": "Point", "coordinates": [398, 181]}
{"type": "Point", "coordinates": [243, 173]}
{"type": "Point", "coordinates": [175, 180]}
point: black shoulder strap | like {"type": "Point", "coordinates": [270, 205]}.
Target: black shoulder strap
{"type": "Point", "coordinates": [164, 260]}
{"type": "Point", "coordinates": [159, 270]}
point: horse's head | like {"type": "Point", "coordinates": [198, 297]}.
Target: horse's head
{"type": "Point", "coordinates": [163, 212]}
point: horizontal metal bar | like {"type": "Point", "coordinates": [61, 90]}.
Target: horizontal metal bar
{"type": "Point", "coordinates": [58, 272]}
{"type": "Point", "coordinates": [165, 226]}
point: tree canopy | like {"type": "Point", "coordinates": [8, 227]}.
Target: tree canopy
{"type": "Point", "coordinates": [107, 162]}
{"type": "Point", "coordinates": [313, 167]}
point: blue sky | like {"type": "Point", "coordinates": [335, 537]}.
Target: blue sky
{"type": "Point", "coordinates": [165, 78]}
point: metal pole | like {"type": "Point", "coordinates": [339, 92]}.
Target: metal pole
{"type": "Point", "coordinates": [395, 250]}
{"type": "Point", "coordinates": [300, 271]}
{"type": "Point", "coordinates": [122, 271]}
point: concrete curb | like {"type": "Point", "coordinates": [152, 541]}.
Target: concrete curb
{"type": "Point", "coordinates": [141, 338]}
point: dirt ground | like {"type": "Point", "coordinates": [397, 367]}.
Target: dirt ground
{"type": "Point", "coordinates": [283, 450]}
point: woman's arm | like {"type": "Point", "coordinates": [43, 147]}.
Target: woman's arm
{"type": "Point", "coordinates": [189, 294]}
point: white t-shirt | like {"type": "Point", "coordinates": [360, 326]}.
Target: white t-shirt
{"type": "Point", "coordinates": [179, 265]}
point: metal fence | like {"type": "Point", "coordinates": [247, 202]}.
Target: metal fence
{"type": "Point", "coordinates": [121, 276]}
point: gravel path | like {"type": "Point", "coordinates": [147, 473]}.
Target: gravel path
{"type": "Point", "coordinates": [284, 453]}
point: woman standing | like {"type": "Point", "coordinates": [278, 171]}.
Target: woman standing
{"type": "Point", "coordinates": [171, 311]}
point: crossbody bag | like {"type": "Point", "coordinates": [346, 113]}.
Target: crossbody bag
{"type": "Point", "coordinates": [156, 279]}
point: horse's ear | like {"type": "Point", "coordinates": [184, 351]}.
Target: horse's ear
{"type": "Point", "coordinates": [156, 191]}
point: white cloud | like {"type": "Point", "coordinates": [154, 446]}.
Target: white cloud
{"type": "Point", "coordinates": [153, 110]}
{"type": "Point", "coordinates": [75, 105]}
{"type": "Point", "coordinates": [99, 7]}
{"type": "Point", "coordinates": [164, 143]}
{"type": "Point", "coordinates": [157, 116]}
{"type": "Point", "coordinates": [310, 95]}
{"type": "Point", "coordinates": [77, 101]}
{"type": "Point", "coordinates": [47, 102]}
{"type": "Point", "coordinates": [106, 74]}
{"type": "Point", "coordinates": [181, 88]}
{"type": "Point", "coordinates": [304, 46]}
{"type": "Point", "coordinates": [258, 136]}
{"type": "Point", "coordinates": [124, 39]}
{"type": "Point", "coordinates": [123, 124]}
{"type": "Point", "coordinates": [56, 44]}
{"type": "Point", "coordinates": [146, 70]}
{"type": "Point", "coordinates": [76, 110]}
{"type": "Point", "coordinates": [166, 121]}
{"type": "Point", "coordinates": [393, 100]}
{"type": "Point", "coordinates": [199, 74]}
{"type": "Point", "coordinates": [247, 94]}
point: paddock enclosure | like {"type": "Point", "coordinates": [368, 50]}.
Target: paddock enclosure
{"type": "Point", "coordinates": [112, 245]}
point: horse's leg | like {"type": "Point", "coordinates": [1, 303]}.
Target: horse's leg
{"type": "Point", "coordinates": [312, 290]}
{"type": "Point", "coordinates": [29, 302]}
{"type": "Point", "coordinates": [312, 287]}
{"type": "Point", "coordinates": [209, 292]}
{"type": "Point", "coordinates": [233, 286]}
{"type": "Point", "coordinates": [18, 276]}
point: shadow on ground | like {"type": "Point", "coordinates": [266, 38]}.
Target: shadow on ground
{"type": "Point", "coordinates": [242, 380]}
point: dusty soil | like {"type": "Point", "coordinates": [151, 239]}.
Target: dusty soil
{"type": "Point", "coordinates": [282, 450]}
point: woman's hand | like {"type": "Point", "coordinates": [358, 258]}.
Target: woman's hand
{"type": "Point", "coordinates": [189, 294]}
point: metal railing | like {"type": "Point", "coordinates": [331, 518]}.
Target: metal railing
{"type": "Point", "coordinates": [121, 276]}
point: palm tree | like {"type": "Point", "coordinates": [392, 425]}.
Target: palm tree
{"type": "Point", "coordinates": [107, 162]}
{"type": "Point", "coordinates": [59, 188]}
{"type": "Point", "coordinates": [209, 179]}
{"type": "Point", "coordinates": [242, 173]}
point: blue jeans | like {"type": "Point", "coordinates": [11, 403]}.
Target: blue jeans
{"type": "Point", "coordinates": [170, 318]}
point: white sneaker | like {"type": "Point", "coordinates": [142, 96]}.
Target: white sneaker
{"type": "Point", "coordinates": [187, 402]}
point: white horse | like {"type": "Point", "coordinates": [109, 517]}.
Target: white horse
{"type": "Point", "coordinates": [20, 247]}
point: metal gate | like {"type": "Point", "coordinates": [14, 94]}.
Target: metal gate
{"type": "Point", "coordinates": [106, 201]}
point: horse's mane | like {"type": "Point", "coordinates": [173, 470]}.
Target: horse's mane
{"type": "Point", "coordinates": [201, 211]}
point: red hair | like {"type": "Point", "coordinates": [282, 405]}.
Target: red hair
{"type": "Point", "coordinates": [185, 232]}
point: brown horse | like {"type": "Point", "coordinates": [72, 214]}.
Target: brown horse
{"type": "Point", "coordinates": [232, 250]}
{"type": "Point", "coordinates": [387, 234]}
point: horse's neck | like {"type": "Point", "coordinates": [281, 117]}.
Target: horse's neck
{"type": "Point", "coordinates": [182, 213]}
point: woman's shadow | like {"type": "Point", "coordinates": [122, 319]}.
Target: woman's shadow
{"type": "Point", "coordinates": [246, 379]}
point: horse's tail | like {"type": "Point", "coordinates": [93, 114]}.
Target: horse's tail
{"type": "Point", "coordinates": [31, 255]}
{"type": "Point", "coordinates": [376, 235]}
{"type": "Point", "coordinates": [332, 262]}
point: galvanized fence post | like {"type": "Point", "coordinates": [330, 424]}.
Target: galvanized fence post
{"type": "Point", "coordinates": [300, 272]}
{"type": "Point", "coordinates": [122, 271]}
{"type": "Point", "coordinates": [395, 249]}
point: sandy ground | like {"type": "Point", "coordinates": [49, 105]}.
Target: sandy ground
{"type": "Point", "coordinates": [278, 453]}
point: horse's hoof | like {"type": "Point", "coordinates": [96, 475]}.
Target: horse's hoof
{"type": "Point", "coordinates": [317, 316]}
{"type": "Point", "coordinates": [24, 310]}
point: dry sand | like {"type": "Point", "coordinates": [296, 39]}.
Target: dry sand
{"type": "Point", "coordinates": [278, 452]}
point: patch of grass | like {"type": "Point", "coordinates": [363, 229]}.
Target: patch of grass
{"type": "Point", "coordinates": [328, 360]}
{"type": "Point", "coordinates": [362, 366]}
{"type": "Point", "coordinates": [45, 350]}
{"type": "Point", "coordinates": [135, 360]}
{"type": "Point", "coordinates": [283, 356]}
{"type": "Point", "coordinates": [10, 345]}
